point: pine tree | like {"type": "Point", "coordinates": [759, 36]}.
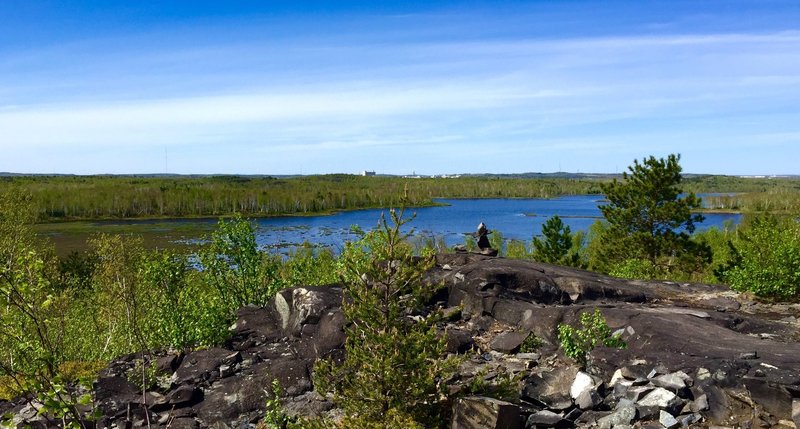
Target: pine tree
{"type": "Point", "coordinates": [651, 219]}
{"type": "Point", "coordinates": [394, 367]}
{"type": "Point", "coordinates": [555, 245]}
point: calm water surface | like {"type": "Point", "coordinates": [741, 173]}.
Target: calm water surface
{"type": "Point", "coordinates": [519, 219]}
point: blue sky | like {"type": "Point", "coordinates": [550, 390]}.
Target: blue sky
{"type": "Point", "coordinates": [431, 87]}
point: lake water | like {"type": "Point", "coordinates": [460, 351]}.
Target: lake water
{"type": "Point", "coordinates": [519, 219]}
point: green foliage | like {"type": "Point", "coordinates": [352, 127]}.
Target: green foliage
{"type": "Point", "coordinates": [641, 269]}
{"type": "Point", "coordinates": [429, 243]}
{"type": "Point", "coordinates": [470, 242]}
{"type": "Point", "coordinates": [31, 316]}
{"type": "Point", "coordinates": [765, 259]}
{"type": "Point", "coordinates": [274, 416]}
{"type": "Point", "coordinates": [594, 251]}
{"type": "Point", "coordinates": [75, 271]}
{"type": "Point", "coordinates": [119, 301]}
{"type": "Point", "coordinates": [233, 264]}
{"type": "Point", "coordinates": [144, 374]}
{"type": "Point", "coordinates": [504, 385]}
{"type": "Point", "coordinates": [497, 242]}
{"type": "Point", "coordinates": [59, 402]}
{"type": "Point", "coordinates": [531, 344]}
{"type": "Point", "coordinates": [719, 240]}
{"type": "Point", "coordinates": [394, 368]}
{"type": "Point", "coordinates": [95, 197]}
{"type": "Point", "coordinates": [556, 244]}
{"type": "Point", "coordinates": [309, 266]}
{"type": "Point", "coordinates": [578, 342]}
{"type": "Point", "coordinates": [515, 249]}
{"type": "Point", "coordinates": [393, 419]}
{"type": "Point", "coordinates": [30, 341]}
{"type": "Point", "coordinates": [651, 219]}
{"type": "Point", "coordinates": [165, 277]}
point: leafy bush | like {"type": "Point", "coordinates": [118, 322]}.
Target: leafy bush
{"type": "Point", "coordinates": [578, 342]}
{"type": "Point", "coordinates": [504, 385]}
{"type": "Point", "coordinates": [233, 264]}
{"type": "Point", "coordinates": [515, 249]}
{"type": "Point", "coordinates": [183, 311]}
{"type": "Point", "coordinates": [309, 266]}
{"type": "Point", "coordinates": [765, 259]}
{"type": "Point", "coordinates": [641, 269]}
{"type": "Point", "coordinates": [274, 416]}
{"type": "Point", "coordinates": [530, 344]}
{"type": "Point", "coordinates": [497, 242]}
{"type": "Point", "coordinates": [470, 242]}
{"type": "Point", "coordinates": [32, 316]}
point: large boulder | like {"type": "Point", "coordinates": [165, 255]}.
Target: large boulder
{"type": "Point", "coordinates": [301, 306]}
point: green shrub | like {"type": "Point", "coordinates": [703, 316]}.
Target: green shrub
{"type": "Point", "coordinates": [578, 342]}
{"type": "Point", "coordinates": [233, 264]}
{"type": "Point", "coordinates": [504, 385]}
{"type": "Point", "coordinates": [274, 416]}
{"type": "Point", "coordinates": [470, 242]}
{"type": "Point", "coordinates": [309, 266]}
{"type": "Point", "coordinates": [641, 269]}
{"type": "Point", "coordinates": [32, 310]}
{"type": "Point", "coordinates": [497, 242]}
{"type": "Point", "coordinates": [765, 259]}
{"type": "Point", "coordinates": [531, 344]}
{"type": "Point", "coordinates": [515, 249]}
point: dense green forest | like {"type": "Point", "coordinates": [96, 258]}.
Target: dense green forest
{"type": "Point", "coordinates": [58, 198]}
{"type": "Point", "coordinates": [110, 197]}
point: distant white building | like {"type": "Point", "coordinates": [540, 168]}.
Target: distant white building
{"type": "Point", "coordinates": [366, 173]}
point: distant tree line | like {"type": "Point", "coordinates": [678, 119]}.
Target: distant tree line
{"type": "Point", "coordinates": [116, 197]}
{"type": "Point", "coordinates": [56, 198]}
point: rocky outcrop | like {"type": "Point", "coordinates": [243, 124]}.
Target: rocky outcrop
{"type": "Point", "coordinates": [697, 356]}
{"type": "Point", "coordinates": [228, 386]}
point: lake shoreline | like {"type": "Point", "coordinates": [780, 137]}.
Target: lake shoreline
{"type": "Point", "coordinates": [514, 218]}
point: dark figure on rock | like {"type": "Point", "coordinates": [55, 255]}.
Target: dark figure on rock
{"type": "Point", "coordinates": [483, 240]}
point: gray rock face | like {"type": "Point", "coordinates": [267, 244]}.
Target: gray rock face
{"type": "Point", "coordinates": [582, 383]}
{"type": "Point", "coordinates": [667, 420]}
{"type": "Point", "coordinates": [659, 397]}
{"type": "Point", "coordinates": [508, 342]}
{"type": "Point", "coordinates": [477, 412]}
{"type": "Point", "coordinates": [304, 305]}
{"type": "Point", "coordinates": [459, 341]}
{"type": "Point", "coordinates": [671, 382]}
{"type": "Point", "coordinates": [544, 419]}
{"type": "Point", "coordinates": [796, 412]}
{"type": "Point", "coordinates": [223, 386]}
{"type": "Point", "coordinates": [622, 416]}
{"type": "Point", "coordinates": [551, 388]}
{"type": "Point", "coordinates": [700, 403]}
{"type": "Point", "coordinates": [588, 399]}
